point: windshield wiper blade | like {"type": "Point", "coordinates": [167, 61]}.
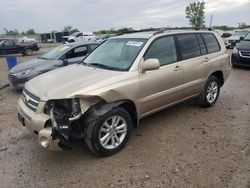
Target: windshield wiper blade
{"type": "Point", "coordinates": [42, 58]}
{"type": "Point", "coordinates": [103, 66]}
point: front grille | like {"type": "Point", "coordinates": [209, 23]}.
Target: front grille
{"type": "Point", "coordinates": [231, 41]}
{"type": "Point", "coordinates": [245, 54]}
{"type": "Point", "coordinates": [30, 100]}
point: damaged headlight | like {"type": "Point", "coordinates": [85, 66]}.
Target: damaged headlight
{"type": "Point", "coordinates": [71, 107]}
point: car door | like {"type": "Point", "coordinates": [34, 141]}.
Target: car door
{"type": "Point", "coordinates": [162, 87]}
{"type": "Point", "coordinates": [195, 63]}
{"type": "Point", "coordinates": [77, 54]}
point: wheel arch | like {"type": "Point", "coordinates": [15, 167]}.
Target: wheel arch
{"type": "Point", "coordinates": [219, 75]}
{"type": "Point", "coordinates": [101, 107]}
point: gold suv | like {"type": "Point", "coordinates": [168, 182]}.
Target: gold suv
{"type": "Point", "coordinates": [125, 79]}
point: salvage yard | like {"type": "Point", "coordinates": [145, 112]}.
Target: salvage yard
{"type": "Point", "coordinates": [183, 146]}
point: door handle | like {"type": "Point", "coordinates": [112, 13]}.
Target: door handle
{"type": "Point", "coordinates": [206, 59]}
{"type": "Point", "coordinates": [177, 68]}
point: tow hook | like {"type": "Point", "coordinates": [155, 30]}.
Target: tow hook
{"type": "Point", "coordinates": [46, 141]}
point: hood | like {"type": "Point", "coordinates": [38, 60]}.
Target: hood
{"type": "Point", "coordinates": [32, 64]}
{"type": "Point", "coordinates": [244, 45]}
{"type": "Point", "coordinates": [63, 82]}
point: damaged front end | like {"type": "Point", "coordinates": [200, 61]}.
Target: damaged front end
{"type": "Point", "coordinates": [64, 114]}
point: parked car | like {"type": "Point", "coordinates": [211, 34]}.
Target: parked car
{"type": "Point", "coordinates": [78, 37]}
{"type": "Point", "coordinates": [10, 46]}
{"type": "Point", "coordinates": [126, 78]}
{"type": "Point", "coordinates": [226, 35]}
{"type": "Point", "coordinates": [231, 42]}
{"type": "Point", "coordinates": [57, 57]}
{"type": "Point", "coordinates": [241, 53]}
{"type": "Point", "coordinates": [26, 40]}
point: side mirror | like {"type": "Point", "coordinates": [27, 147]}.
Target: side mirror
{"type": "Point", "coordinates": [150, 64]}
{"type": "Point", "coordinates": [241, 38]}
{"type": "Point", "coordinates": [65, 62]}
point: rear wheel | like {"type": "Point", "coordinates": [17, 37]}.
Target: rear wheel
{"type": "Point", "coordinates": [28, 51]}
{"type": "Point", "coordinates": [210, 92]}
{"type": "Point", "coordinates": [109, 133]}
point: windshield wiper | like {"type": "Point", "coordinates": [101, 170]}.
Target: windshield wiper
{"type": "Point", "coordinates": [104, 66]}
{"type": "Point", "coordinates": [42, 58]}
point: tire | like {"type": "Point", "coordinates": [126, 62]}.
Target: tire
{"type": "Point", "coordinates": [206, 100]}
{"type": "Point", "coordinates": [102, 128]}
{"type": "Point", "coordinates": [28, 51]}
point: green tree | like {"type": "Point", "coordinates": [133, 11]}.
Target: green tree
{"type": "Point", "coordinates": [70, 29]}
{"type": "Point", "coordinates": [11, 32]}
{"type": "Point", "coordinates": [195, 13]}
{"type": "Point", "coordinates": [30, 32]}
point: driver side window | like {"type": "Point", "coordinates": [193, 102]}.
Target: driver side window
{"type": "Point", "coordinates": [77, 52]}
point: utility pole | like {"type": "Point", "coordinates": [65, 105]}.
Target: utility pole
{"type": "Point", "coordinates": [211, 21]}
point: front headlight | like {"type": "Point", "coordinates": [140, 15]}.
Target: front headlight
{"type": "Point", "coordinates": [25, 72]}
{"type": "Point", "coordinates": [235, 50]}
{"type": "Point", "coordinates": [71, 107]}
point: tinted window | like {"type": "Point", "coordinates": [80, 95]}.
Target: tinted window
{"type": "Point", "coordinates": [202, 44]}
{"type": "Point", "coordinates": [211, 42]}
{"type": "Point", "coordinates": [189, 46]}
{"type": "Point", "coordinates": [79, 35]}
{"type": "Point", "coordinates": [9, 43]}
{"type": "Point", "coordinates": [77, 52]}
{"type": "Point", "coordinates": [163, 49]}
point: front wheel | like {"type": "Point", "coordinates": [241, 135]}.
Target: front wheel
{"type": "Point", "coordinates": [109, 133]}
{"type": "Point", "coordinates": [210, 92]}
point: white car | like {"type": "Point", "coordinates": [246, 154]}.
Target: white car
{"type": "Point", "coordinates": [79, 37]}
{"type": "Point", "coordinates": [26, 40]}
{"type": "Point", "coordinates": [230, 42]}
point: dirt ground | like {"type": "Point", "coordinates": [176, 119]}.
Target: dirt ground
{"type": "Point", "coordinates": [184, 146]}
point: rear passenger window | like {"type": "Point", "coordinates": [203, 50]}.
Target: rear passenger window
{"type": "Point", "coordinates": [202, 44]}
{"type": "Point", "coordinates": [189, 46]}
{"type": "Point", "coordinates": [163, 49]}
{"type": "Point", "coordinates": [211, 42]}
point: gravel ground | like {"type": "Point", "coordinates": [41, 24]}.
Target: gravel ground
{"type": "Point", "coordinates": [183, 146]}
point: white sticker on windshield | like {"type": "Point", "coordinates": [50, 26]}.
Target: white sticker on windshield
{"type": "Point", "coordinates": [63, 48]}
{"type": "Point", "coordinates": [134, 43]}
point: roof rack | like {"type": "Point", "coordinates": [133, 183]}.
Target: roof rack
{"type": "Point", "coordinates": [162, 29]}
{"type": "Point", "coordinates": [179, 28]}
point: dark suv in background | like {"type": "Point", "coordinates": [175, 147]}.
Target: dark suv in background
{"type": "Point", "coordinates": [241, 52]}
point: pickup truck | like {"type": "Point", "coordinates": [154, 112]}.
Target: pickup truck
{"type": "Point", "coordinates": [10, 46]}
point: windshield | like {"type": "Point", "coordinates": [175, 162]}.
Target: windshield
{"type": "Point", "coordinates": [247, 36]}
{"type": "Point", "coordinates": [240, 33]}
{"type": "Point", "coordinates": [56, 52]}
{"type": "Point", "coordinates": [116, 54]}
{"type": "Point", "coordinates": [1, 42]}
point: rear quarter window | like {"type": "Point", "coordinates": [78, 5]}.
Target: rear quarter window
{"type": "Point", "coordinates": [211, 42]}
{"type": "Point", "coordinates": [188, 45]}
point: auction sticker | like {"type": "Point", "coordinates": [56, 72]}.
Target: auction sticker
{"type": "Point", "coordinates": [134, 43]}
{"type": "Point", "coordinates": [62, 49]}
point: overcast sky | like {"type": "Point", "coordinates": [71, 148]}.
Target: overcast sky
{"type": "Point", "coordinates": [91, 15]}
